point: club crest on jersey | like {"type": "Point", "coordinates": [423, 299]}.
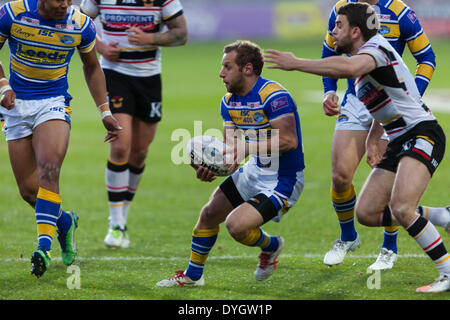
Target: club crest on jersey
{"type": "Point", "coordinates": [384, 30]}
{"type": "Point", "coordinates": [258, 117]}
{"type": "Point", "coordinates": [66, 39]}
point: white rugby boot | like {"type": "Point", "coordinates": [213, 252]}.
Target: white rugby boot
{"type": "Point", "coordinates": [337, 254]}
{"type": "Point", "coordinates": [268, 262]}
{"type": "Point", "coordinates": [385, 260]}
{"type": "Point", "coordinates": [114, 237]}
{"type": "Point", "coordinates": [180, 280]}
{"type": "Point", "coordinates": [441, 284]}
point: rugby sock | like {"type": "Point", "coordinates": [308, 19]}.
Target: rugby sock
{"type": "Point", "coordinates": [390, 238]}
{"type": "Point", "coordinates": [259, 238]}
{"type": "Point", "coordinates": [201, 245]}
{"type": "Point", "coordinates": [437, 216]}
{"type": "Point", "coordinates": [64, 221]}
{"type": "Point", "coordinates": [47, 210]}
{"type": "Point", "coordinates": [428, 238]}
{"type": "Point", "coordinates": [344, 205]}
{"type": "Point", "coordinates": [135, 176]}
{"type": "Point", "coordinates": [117, 175]}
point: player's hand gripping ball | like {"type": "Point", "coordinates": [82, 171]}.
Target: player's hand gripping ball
{"type": "Point", "coordinates": [207, 151]}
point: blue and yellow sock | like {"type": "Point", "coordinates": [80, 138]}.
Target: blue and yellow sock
{"type": "Point", "coordinates": [201, 245]}
{"type": "Point", "coordinates": [344, 205]}
{"type": "Point", "coordinates": [48, 205]}
{"type": "Point", "coordinates": [64, 221]}
{"type": "Point", "coordinates": [259, 238]}
{"type": "Point", "coordinates": [390, 238]}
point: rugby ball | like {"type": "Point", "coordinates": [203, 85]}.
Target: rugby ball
{"type": "Point", "coordinates": [207, 151]}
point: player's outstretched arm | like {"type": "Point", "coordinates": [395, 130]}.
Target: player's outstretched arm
{"type": "Point", "coordinates": [176, 35]}
{"type": "Point", "coordinates": [95, 80]}
{"type": "Point", "coordinates": [332, 67]}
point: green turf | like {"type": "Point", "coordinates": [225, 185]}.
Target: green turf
{"type": "Point", "coordinates": [166, 206]}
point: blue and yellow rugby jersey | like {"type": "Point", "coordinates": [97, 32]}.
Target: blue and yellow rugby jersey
{"type": "Point", "coordinates": [267, 101]}
{"type": "Point", "coordinates": [400, 26]}
{"type": "Point", "coordinates": [41, 49]}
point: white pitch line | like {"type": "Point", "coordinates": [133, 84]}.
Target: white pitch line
{"type": "Point", "coordinates": [121, 258]}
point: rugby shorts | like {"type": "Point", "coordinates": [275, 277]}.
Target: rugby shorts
{"type": "Point", "coordinates": [353, 115]}
{"type": "Point", "coordinates": [20, 121]}
{"type": "Point", "coordinates": [137, 96]}
{"type": "Point", "coordinates": [424, 142]}
{"type": "Point", "coordinates": [272, 195]}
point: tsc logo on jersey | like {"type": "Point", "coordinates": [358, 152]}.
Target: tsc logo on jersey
{"type": "Point", "coordinates": [40, 55]}
{"type": "Point", "coordinates": [46, 33]}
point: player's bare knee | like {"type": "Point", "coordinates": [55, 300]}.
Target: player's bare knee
{"type": "Point", "coordinates": [235, 229]}
{"type": "Point", "coordinates": [48, 172]}
{"type": "Point", "coordinates": [208, 215]}
{"type": "Point", "coordinates": [363, 219]}
{"type": "Point", "coordinates": [342, 181]}
{"type": "Point", "coordinates": [401, 211]}
{"type": "Point", "coordinates": [365, 216]}
{"type": "Point", "coordinates": [28, 195]}
{"type": "Point", "coordinates": [138, 157]}
{"type": "Point", "coordinates": [120, 152]}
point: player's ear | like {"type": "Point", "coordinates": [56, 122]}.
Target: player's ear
{"type": "Point", "coordinates": [248, 69]}
{"type": "Point", "coordinates": [356, 32]}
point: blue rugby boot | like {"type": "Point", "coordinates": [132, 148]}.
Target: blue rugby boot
{"type": "Point", "coordinates": [67, 240]}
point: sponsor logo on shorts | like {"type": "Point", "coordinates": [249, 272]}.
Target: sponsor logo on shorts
{"type": "Point", "coordinates": [342, 118]}
{"type": "Point", "coordinates": [148, 3]}
{"type": "Point", "coordinates": [117, 102]}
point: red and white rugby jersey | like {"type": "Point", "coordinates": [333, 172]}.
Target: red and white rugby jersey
{"type": "Point", "coordinates": [389, 92]}
{"type": "Point", "coordinates": [116, 16]}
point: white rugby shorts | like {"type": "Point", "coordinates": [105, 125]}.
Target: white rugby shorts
{"type": "Point", "coordinates": [20, 121]}
{"type": "Point", "coordinates": [251, 180]}
{"type": "Point", "coordinates": [353, 115]}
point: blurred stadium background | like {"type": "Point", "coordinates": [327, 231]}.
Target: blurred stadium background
{"type": "Point", "coordinates": [286, 19]}
{"type": "Point", "coordinates": [167, 205]}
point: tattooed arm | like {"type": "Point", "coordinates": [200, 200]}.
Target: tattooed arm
{"type": "Point", "coordinates": [176, 35]}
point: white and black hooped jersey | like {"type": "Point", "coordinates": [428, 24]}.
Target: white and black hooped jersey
{"type": "Point", "coordinates": [389, 92]}
{"type": "Point", "coordinates": [116, 16]}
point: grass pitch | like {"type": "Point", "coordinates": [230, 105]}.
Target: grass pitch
{"type": "Point", "coordinates": [169, 198]}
